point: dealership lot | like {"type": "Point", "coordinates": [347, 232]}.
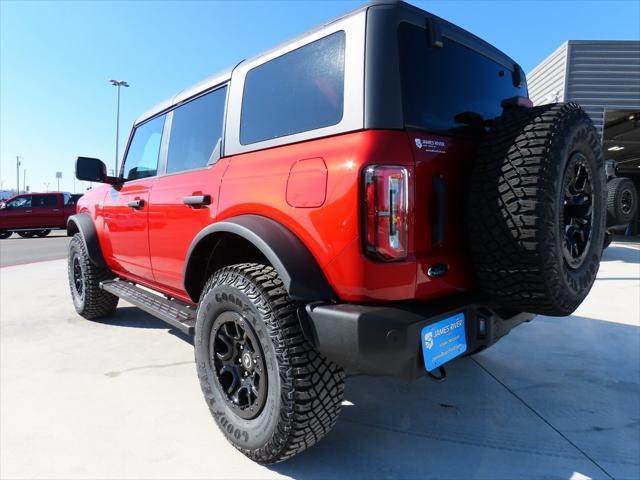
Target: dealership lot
{"type": "Point", "coordinates": [557, 398]}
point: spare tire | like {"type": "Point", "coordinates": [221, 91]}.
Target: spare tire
{"type": "Point", "coordinates": [536, 212]}
{"type": "Point", "coordinates": [622, 201]}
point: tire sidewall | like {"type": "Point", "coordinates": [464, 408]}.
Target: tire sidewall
{"type": "Point", "coordinates": [576, 283]}
{"type": "Point", "coordinates": [245, 434]}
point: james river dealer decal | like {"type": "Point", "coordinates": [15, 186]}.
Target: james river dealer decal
{"type": "Point", "coordinates": [443, 341]}
{"type": "Point", "coordinates": [431, 145]}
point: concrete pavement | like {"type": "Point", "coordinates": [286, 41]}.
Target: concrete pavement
{"type": "Point", "coordinates": [556, 398]}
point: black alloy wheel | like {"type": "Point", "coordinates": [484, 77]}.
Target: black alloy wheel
{"type": "Point", "coordinates": [626, 202]}
{"type": "Point", "coordinates": [78, 277]}
{"type": "Point", "coordinates": [577, 213]}
{"type": "Point", "coordinates": [239, 365]}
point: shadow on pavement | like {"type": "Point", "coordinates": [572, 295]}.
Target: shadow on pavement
{"type": "Point", "coordinates": [525, 408]}
{"type": "Point", "coordinates": [133, 317]}
{"type": "Point", "coordinates": [60, 234]}
{"type": "Point", "coordinates": [621, 252]}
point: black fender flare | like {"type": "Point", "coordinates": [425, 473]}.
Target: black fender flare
{"type": "Point", "coordinates": [298, 269]}
{"type": "Point", "coordinates": [82, 223]}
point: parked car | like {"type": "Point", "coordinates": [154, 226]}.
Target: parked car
{"type": "Point", "coordinates": [622, 202]}
{"type": "Point", "coordinates": [36, 214]}
{"type": "Point", "coordinates": [377, 194]}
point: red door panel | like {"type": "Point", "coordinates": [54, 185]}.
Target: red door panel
{"type": "Point", "coordinates": [125, 212]}
{"type": "Point", "coordinates": [173, 225]}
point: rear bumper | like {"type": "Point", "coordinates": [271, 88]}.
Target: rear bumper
{"type": "Point", "coordinates": [385, 340]}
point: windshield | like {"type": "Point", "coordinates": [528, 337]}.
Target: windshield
{"type": "Point", "coordinates": [449, 90]}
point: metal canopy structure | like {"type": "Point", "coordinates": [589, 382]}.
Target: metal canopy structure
{"type": "Point", "coordinates": [603, 76]}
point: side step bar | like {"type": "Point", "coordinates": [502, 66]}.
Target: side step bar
{"type": "Point", "coordinates": [174, 312]}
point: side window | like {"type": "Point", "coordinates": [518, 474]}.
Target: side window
{"type": "Point", "coordinates": [196, 132]}
{"type": "Point", "coordinates": [73, 199]}
{"type": "Point", "coordinates": [298, 91]}
{"type": "Point", "coordinates": [44, 201]}
{"type": "Point", "coordinates": [20, 202]}
{"type": "Point", "coordinates": [142, 156]}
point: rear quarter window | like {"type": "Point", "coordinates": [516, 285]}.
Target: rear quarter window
{"type": "Point", "coordinates": [299, 91]}
{"type": "Point", "coordinates": [441, 87]}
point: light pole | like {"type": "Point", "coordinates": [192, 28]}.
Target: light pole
{"type": "Point", "coordinates": [46, 185]}
{"type": "Point", "coordinates": [118, 83]}
{"type": "Point", "coordinates": [18, 157]}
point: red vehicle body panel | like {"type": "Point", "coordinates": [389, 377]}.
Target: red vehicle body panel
{"type": "Point", "coordinates": [37, 216]}
{"type": "Point", "coordinates": [173, 225]}
{"type": "Point", "coordinates": [314, 189]}
{"type": "Point", "coordinates": [126, 229]}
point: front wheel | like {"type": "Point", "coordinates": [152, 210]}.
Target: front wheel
{"type": "Point", "coordinates": [89, 299]}
{"type": "Point", "coordinates": [269, 391]}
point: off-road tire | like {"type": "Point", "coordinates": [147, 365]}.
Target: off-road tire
{"type": "Point", "coordinates": [608, 238]}
{"type": "Point", "coordinates": [618, 189]}
{"type": "Point", "coordinates": [305, 390]}
{"type": "Point", "coordinates": [516, 209]}
{"type": "Point", "coordinates": [5, 234]}
{"type": "Point", "coordinates": [95, 303]}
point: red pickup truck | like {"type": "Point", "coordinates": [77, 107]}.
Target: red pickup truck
{"type": "Point", "coordinates": [36, 214]}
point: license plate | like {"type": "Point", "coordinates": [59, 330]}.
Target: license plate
{"type": "Point", "coordinates": [443, 341]}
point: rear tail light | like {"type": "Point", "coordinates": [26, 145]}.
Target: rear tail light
{"type": "Point", "coordinates": [386, 212]}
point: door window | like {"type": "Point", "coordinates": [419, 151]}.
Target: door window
{"type": "Point", "coordinates": [20, 202]}
{"type": "Point", "coordinates": [44, 201]}
{"type": "Point", "coordinates": [196, 132]}
{"type": "Point", "coordinates": [142, 156]}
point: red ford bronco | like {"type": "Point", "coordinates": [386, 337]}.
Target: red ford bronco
{"type": "Point", "coordinates": [377, 194]}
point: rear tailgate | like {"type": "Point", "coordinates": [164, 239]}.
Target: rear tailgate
{"type": "Point", "coordinates": [443, 166]}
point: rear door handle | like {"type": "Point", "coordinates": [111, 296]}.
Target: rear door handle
{"type": "Point", "coordinates": [197, 200]}
{"type": "Point", "coordinates": [136, 204]}
{"type": "Point", "coordinates": [438, 210]}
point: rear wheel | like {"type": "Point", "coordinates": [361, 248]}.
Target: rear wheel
{"type": "Point", "coordinates": [269, 391]}
{"type": "Point", "coordinates": [622, 201]}
{"type": "Point", "coordinates": [89, 299]}
{"type": "Point", "coordinates": [537, 210]}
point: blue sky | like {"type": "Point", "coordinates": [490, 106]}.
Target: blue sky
{"type": "Point", "coordinates": [56, 59]}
